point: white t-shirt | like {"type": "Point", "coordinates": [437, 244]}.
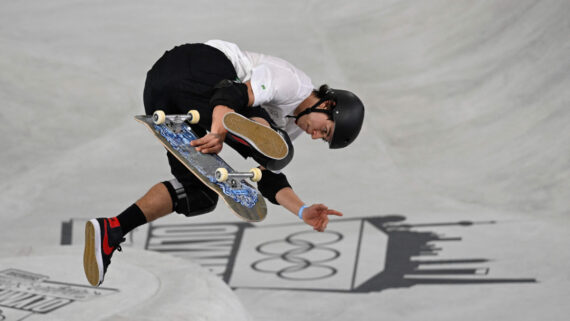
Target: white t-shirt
{"type": "Point", "coordinates": [278, 86]}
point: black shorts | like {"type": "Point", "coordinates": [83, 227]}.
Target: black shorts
{"type": "Point", "coordinates": [183, 79]}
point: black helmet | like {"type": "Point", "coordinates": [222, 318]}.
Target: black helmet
{"type": "Point", "coordinates": [348, 116]}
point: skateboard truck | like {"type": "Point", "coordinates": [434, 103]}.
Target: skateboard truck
{"type": "Point", "coordinates": [222, 175]}
{"type": "Point", "coordinates": [174, 122]}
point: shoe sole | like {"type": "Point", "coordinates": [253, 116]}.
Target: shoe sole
{"type": "Point", "coordinates": [264, 139]}
{"type": "Point", "coordinates": [92, 259]}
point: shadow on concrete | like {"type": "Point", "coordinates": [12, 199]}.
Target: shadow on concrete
{"type": "Point", "coordinates": [412, 254]}
{"type": "Point", "coordinates": [411, 258]}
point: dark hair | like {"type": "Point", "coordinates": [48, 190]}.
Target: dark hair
{"type": "Point", "coordinates": [323, 92]}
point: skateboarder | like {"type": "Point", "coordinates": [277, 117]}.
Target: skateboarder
{"type": "Point", "coordinates": [216, 78]}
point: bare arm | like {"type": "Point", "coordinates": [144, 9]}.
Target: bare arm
{"type": "Point", "coordinates": [213, 141]}
{"type": "Point", "coordinates": [315, 215]}
{"type": "Point", "coordinates": [250, 96]}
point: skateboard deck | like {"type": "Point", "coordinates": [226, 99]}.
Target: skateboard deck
{"type": "Point", "coordinates": [241, 197]}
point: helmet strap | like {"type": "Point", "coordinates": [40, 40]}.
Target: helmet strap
{"type": "Point", "coordinates": [312, 109]}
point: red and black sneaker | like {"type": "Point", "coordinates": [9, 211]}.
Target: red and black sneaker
{"type": "Point", "coordinates": [264, 139]}
{"type": "Point", "coordinates": [102, 238]}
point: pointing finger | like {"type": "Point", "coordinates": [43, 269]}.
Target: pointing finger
{"type": "Point", "coordinates": [333, 212]}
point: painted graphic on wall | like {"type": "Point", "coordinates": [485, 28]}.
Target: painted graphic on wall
{"type": "Point", "coordinates": [360, 255]}
{"type": "Point", "coordinates": [24, 293]}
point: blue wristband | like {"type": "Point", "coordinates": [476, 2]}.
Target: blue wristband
{"type": "Point", "coordinates": [300, 213]}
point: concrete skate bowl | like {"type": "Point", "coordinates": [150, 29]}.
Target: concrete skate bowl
{"type": "Point", "coordinates": [466, 110]}
{"type": "Point", "coordinates": [469, 100]}
{"type": "Point", "coordinates": [47, 282]}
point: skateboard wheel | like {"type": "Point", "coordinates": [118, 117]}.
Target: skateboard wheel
{"type": "Point", "coordinates": [159, 117]}
{"type": "Point", "coordinates": [221, 174]}
{"type": "Point", "coordinates": [256, 174]}
{"type": "Point", "coordinates": [194, 116]}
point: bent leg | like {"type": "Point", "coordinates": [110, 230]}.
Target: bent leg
{"type": "Point", "coordinates": [191, 200]}
{"type": "Point", "coordinates": [189, 196]}
{"type": "Point", "coordinates": [261, 121]}
{"type": "Point", "coordinates": [259, 135]}
{"type": "Point", "coordinates": [252, 143]}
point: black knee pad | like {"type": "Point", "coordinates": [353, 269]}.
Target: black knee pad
{"type": "Point", "coordinates": [190, 201]}
{"type": "Point", "coordinates": [271, 183]}
{"type": "Point", "coordinates": [230, 93]}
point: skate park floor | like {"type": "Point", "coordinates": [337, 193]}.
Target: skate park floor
{"type": "Point", "coordinates": [455, 195]}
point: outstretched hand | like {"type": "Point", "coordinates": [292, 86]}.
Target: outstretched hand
{"type": "Point", "coordinates": [317, 216]}
{"type": "Point", "coordinates": [212, 143]}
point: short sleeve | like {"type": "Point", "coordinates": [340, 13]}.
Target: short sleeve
{"type": "Point", "coordinates": [261, 85]}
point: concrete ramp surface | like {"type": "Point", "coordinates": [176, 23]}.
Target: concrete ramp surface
{"type": "Point", "coordinates": [455, 195]}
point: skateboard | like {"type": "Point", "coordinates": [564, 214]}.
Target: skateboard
{"type": "Point", "coordinates": [175, 134]}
